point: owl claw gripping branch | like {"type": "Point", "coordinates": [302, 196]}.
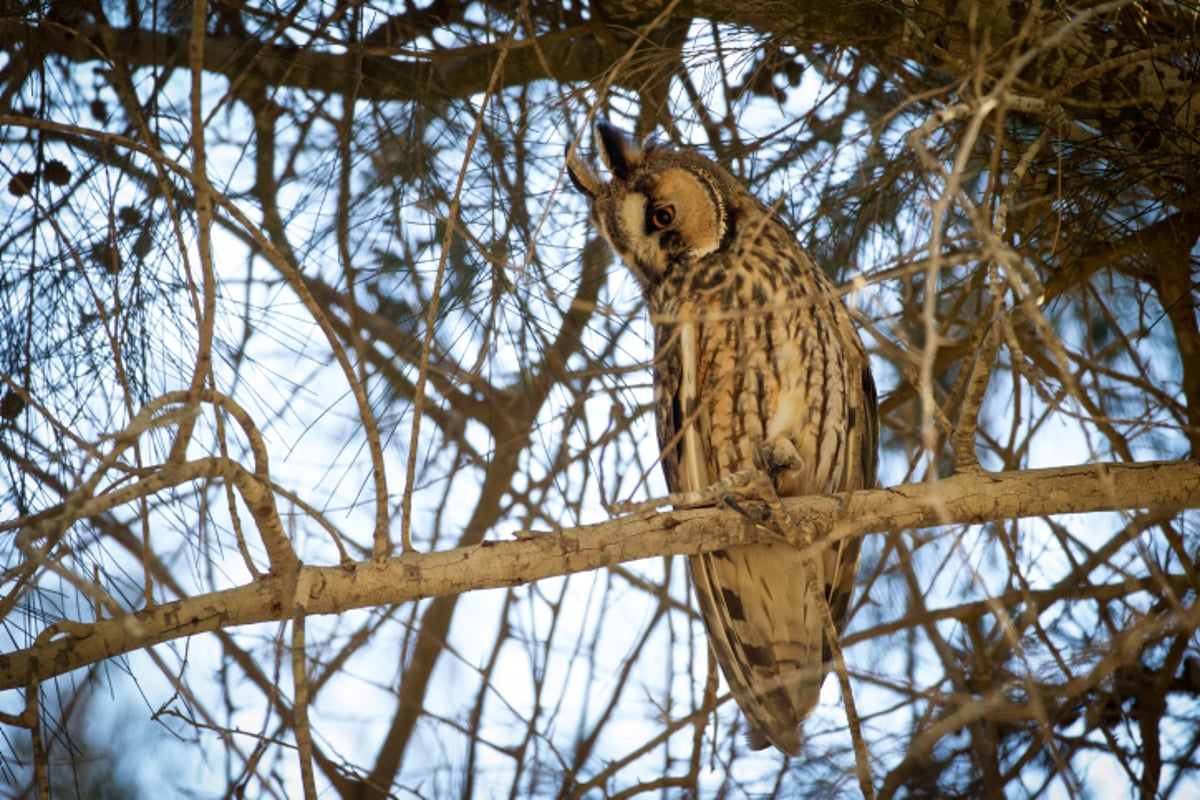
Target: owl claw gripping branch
{"type": "Point", "coordinates": [757, 366]}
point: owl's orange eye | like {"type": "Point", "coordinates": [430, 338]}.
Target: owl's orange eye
{"type": "Point", "coordinates": [662, 217]}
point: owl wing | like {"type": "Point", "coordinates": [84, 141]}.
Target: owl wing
{"type": "Point", "coordinates": [668, 411]}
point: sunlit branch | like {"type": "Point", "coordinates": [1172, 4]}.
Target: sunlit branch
{"type": "Point", "coordinates": [968, 498]}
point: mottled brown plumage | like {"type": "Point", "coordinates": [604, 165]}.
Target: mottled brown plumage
{"type": "Point", "coordinates": [757, 367]}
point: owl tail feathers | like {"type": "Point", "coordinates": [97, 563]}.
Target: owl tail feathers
{"type": "Point", "coordinates": [787, 741]}
{"type": "Point", "coordinates": [765, 630]}
{"type": "Point", "coordinates": [776, 718]}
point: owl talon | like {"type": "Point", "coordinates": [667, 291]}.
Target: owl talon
{"type": "Point", "coordinates": [756, 515]}
{"type": "Point", "coordinates": [754, 490]}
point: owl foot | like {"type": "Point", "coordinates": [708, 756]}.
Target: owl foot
{"type": "Point", "coordinates": [778, 455]}
{"type": "Point", "coordinates": [749, 492]}
{"type": "Point", "coordinates": [757, 515]}
{"type": "Point", "coordinates": [754, 485]}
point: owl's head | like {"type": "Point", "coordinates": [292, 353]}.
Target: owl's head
{"type": "Point", "coordinates": [661, 208]}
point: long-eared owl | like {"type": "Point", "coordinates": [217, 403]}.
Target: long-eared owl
{"type": "Point", "coordinates": [757, 366]}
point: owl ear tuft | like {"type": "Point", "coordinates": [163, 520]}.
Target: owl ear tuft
{"type": "Point", "coordinates": [582, 176]}
{"type": "Point", "coordinates": [621, 155]}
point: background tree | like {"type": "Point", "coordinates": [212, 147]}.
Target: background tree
{"type": "Point", "coordinates": [298, 320]}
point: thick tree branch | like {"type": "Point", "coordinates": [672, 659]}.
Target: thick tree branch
{"type": "Point", "coordinates": [1090, 62]}
{"type": "Point", "coordinates": [968, 498]}
{"type": "Point", "coordinates": [372, 76]}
